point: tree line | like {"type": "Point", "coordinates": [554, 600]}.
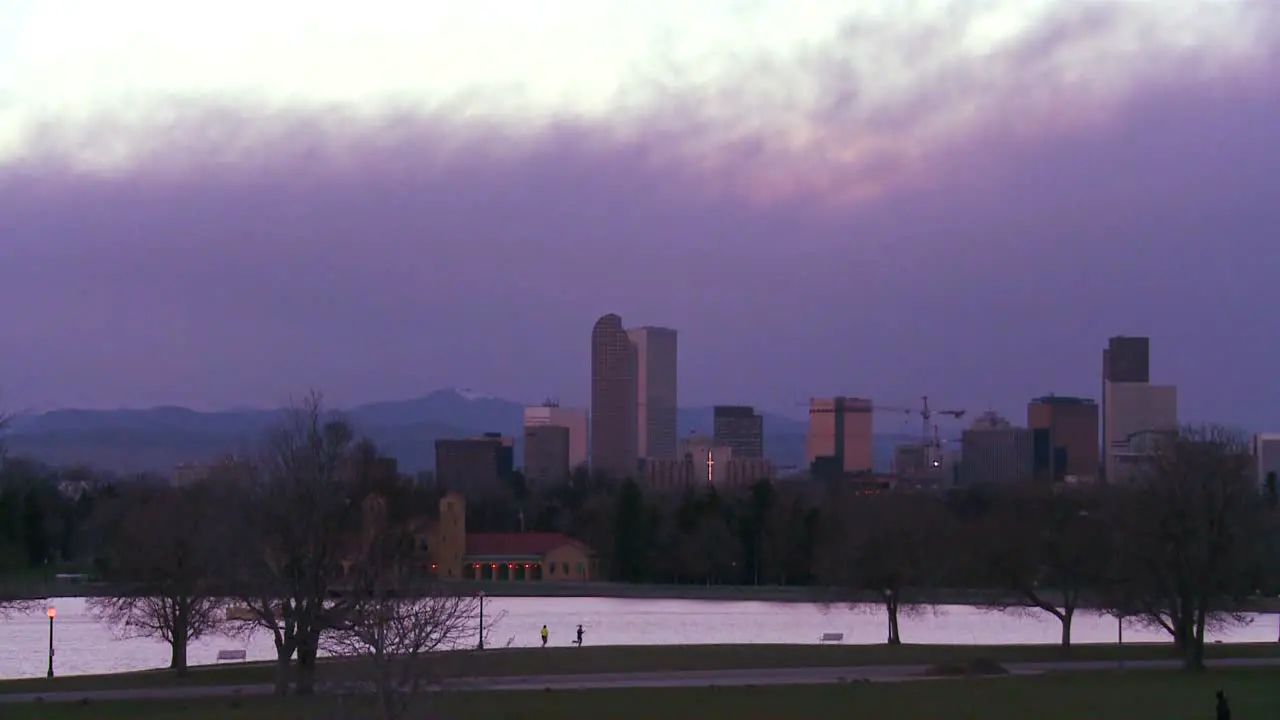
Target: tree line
{"type": "Point", "coordinates": [314, 542]}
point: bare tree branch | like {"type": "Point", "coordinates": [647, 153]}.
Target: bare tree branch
{"type": "Point", "coordinates": [884, 544]}
{"type": "Point", "coordinates": [395, 632]}
{"type": "Point", "coordinates": [1188, 529]}
{"type": "Point", "coordinates": [298, 507]}
{"type": "Point", "coordinates": [162, 546]}
{"type": "Point", "coordinates": [1044, 547]}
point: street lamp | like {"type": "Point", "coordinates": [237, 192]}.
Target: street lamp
{"type": "Point", "coordinates": [480, 646]}
{"type": "Point", "coordinates": [52, 613]}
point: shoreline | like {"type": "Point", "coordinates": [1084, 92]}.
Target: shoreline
{"type": "Point", "coordinates": [627, 591]}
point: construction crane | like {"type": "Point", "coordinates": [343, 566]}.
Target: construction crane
{"type": "Point", "coordinates": [929, 440]}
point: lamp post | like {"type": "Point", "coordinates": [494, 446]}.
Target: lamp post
{"type": "Point", "coordinates": [52, 613]}
{"type": "Point", "coordinates": [480, 645]}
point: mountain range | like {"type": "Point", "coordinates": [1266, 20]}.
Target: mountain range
{"type": "Point", "coordinates": [157, 439]}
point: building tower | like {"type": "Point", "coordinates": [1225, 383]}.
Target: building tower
{"type": "Point", "coordinates": [1064, 433]}
{"type": "Point", "coordinates": [1131, 406]}
{"type": "Point", "coordinates": [840, 439]}
{"type": "Point", "coordinates": [656, 391]}
{"type": "Point", "coordinates": [739, 428]}
{"type": "Point", "coordinates": [614, 392]}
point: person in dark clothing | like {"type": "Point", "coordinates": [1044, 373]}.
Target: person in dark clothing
{"type": "Point", "coordinates": [1224, 709]}
{"type": "Point", "coordinates": [578, 642]}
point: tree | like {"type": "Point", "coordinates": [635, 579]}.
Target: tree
{"type": "Point", "coordinates": [298, 505]}
{"type": "Point", "coordinates": [392, 636]}
{"type": "Point", "coordinates": [163, 549]}
{"type": "Point", "coordinates": [1187, 531]}
{"type": "Point", "coordinates": [631, 535]}
{"type": "Point", "coordinates": [1044, 549]}
{"type": "Point", "coordinates": [1272, 493]}
{"type": "Point", "coordinates": [883, 544]}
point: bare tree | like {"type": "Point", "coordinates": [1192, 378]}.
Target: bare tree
{"type": "Point", "coordinates": [1045, 549]}
{"type": "Point", "coordinates": [886, 544]}
{"type": "Point", "coordinates": [392, 637]}
{"type": "Point", "coordinates": [298, 505]}
{"type": "Point", "coordinates": [162, 549]}
{"type": "Point", "coordinates": [1186, 549]}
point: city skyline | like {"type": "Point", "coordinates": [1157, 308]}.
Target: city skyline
{"type": "Point", "coordinates": [968, 226]}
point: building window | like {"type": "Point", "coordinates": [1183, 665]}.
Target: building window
{"type": "Point", "coordinates": [564, 568]}
{"type": "Point", "coordinates": [582, 570]}
{"type": "Point", "coordinates": [551, 568]}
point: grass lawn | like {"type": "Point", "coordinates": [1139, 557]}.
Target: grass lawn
{"type": "Point", "coordinates": [640, 658]}
{"type": "Point", "coordinates": [1097, 696]}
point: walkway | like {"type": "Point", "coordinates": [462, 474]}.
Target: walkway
{"type": "Point", "coordinates": [606, 681]}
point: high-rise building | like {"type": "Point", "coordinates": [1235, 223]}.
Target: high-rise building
{"type": "Point", "coordinates": [573, 419]}
{"type": "Point", "coordinates": [474, 465]}
{"type": "Point", "coordinates": [703, 462]}
{"type": "Point", "coordinates": [1266, 449]}
{"type": "Point", "coordinates": [614, 390]}
{"type": "Point", "coordinates": [1132, 408]}
{"type": "Point", "coordinates": [656, 391]}
{"type": "Point", "coordinates": [546, 454]}
{"type": "Point", "coordinates": [993, 451]}
{"type": "Point", "coordinates": [739, 427]}
{"type": "Point", "coordinates": [1065, 437]}
{"type": "Point", "coordinates": [839, 439]}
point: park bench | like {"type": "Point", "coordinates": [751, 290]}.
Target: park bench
{"type": "Point", "coordinates": [831, 638]}
{"type": "Point", "coordinates": [224, 655]}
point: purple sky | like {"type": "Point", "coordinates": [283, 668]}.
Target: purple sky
{"type": "Point", "coordinates": [382, 260]}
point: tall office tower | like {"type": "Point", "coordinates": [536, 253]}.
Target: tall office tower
{"type": "Point", "coordinates": [613, 399]}
{"type": "Point", "coordinates": [839, 439]}
{"type": "Point", "coordinates": [995, 452]}
{"type": "Point", "coordinates": [546, 455]}
{"type": "Point", "coordinates": [1132, 408]}
{"type": "Point", "coordinates": [656, 391]}
{"type": "Point", "coordinates": [574, 419]}
{"type": "Point", "coordinates": [739, 428]}
{"type": "Point", "coordinates": [473, 466]}
{"type": "Point", "coordinates": [1064, 434]}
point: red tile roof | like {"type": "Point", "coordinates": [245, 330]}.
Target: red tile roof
{"type": "Point", "coordinates": [517, 544]}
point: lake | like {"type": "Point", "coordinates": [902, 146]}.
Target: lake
{"type": "Point", "coordinates": [84, 646]}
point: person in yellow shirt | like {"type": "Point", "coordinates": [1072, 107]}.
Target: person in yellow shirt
{"type": "Point", "coordinates": [544, 635]}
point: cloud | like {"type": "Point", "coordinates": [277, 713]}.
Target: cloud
{"type": "Point", "coordinates": [967, 235]}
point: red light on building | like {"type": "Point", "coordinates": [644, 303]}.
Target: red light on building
{"type": "Point", "coordinates": [526, 566]}
{"type": "Point", "coordinates": [510, 565]}
{"type": "Point", "coordinates": [433, 566]}
{"type": "Point", "coordinates": [494, 566]}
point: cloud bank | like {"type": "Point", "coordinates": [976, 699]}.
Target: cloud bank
{"type": "Point", "coordinates": [959, 202]}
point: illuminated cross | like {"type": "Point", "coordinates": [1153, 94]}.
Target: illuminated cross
{"type": "Point", "coordinates": [711, 463]}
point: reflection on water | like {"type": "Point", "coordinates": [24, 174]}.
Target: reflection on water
{"type": "Point", "coordinates": [85, 646]}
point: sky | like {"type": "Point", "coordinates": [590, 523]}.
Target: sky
{"type": "Point", "coordinates": [224, 204]}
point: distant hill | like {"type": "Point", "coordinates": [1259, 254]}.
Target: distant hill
{"type": "Point", "coordinates": [157, 439]}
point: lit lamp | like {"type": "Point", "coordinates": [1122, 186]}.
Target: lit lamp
{"type": "Point", "coordinates": [52, 613]}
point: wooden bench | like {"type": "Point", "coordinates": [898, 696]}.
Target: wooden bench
{"type": "Point", "coordinates": [831, 638]}
{"type": "Point", "coordinates": [224, 655]}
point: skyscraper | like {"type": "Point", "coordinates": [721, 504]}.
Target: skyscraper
{"type": "Point", "coordinates": [1132, 407]}
{"type": "Point", "coordinates": [739, 428]}
{"type": "Point", "coordinates": [656, 391]}
{"type": "Point", "coordinates": [614, 390]}
{"type": "Point", "coordinates": [575, 419]}
{"type": "Point", "coordinates": [839, 439]}
{"type": "Point", "coordinates": [1065, 436]}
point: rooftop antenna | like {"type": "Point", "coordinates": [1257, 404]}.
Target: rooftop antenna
{"type": "Point", "coordinates": [551, 402]}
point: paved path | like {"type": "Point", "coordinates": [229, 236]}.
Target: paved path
{"type": "Point", "coordinates": [602, 681]}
